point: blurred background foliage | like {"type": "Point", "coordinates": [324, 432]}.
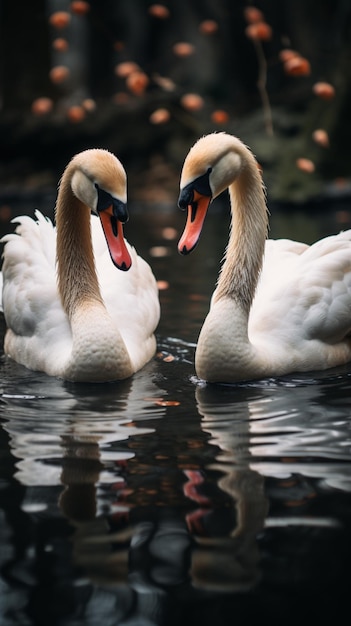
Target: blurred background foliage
{"type": "Point", "coordinates": [145, 80]}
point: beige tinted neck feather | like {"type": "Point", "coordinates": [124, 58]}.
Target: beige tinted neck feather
{"type": "Point", "coordinates": [244, 254]}
{"type": "Point", "coordinates": [77, 278]}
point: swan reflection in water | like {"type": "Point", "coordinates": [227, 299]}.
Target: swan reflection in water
{"type": "Point", "coordinates": [230, 561]}
{"type": "Point", "coordinates": [75, 436]}
{"type": "Point", "coordinates": [287, 440]}
{"type": "Point", "coordinates": [158, 501]}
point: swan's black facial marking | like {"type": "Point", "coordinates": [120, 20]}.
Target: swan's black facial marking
{"type": "Point", "coordinates": [119, 208]}
{"type": "Point", "coordinates": [113, 214]}
{"type": "Point", "coordinates": [104, 199]}
{"type": "Point", "coordinates": [201, 185]}
{"type": "Point", "coordinates": [186, 197]}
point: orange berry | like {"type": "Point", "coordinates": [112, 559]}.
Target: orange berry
{"type": "Point", "coordinates": [89, 104]}
{"type": "Point", "coordinates": [219, 116]}
{"type": "Point", "coordinates": [59, 19]}
{"type": "Point", "coordinates": [137, 82]}
{"type": "Point", "coordinates": [287, 53]}
{"type": "Point", "coordinates": [192, 102]}
{"type": "Point", "coordinates": [159, 10]}
{"type": "Point", "coordinates": [79, 7]}
{"type": "Point", "coordinates": [60, 44]}
{"type": "Point", "coordinates": [320, 136]}
{"type": "Point", "coordinates": [75, 114]}
{"type": "Point", "coordinates": [253, 15]}
{"type": "Point", "coordinates": [127, 67]}
{"type": "Point", "coordinates": [259, 31]}
{"type": "Point", "coordinates": [324, 90]}
{"type": "Point", "coordinates": [59, 74]}
{"type": "Point", "coordinates": [41, 106]}
{"type": "Point", "coordinates": [297, 66]}
{"type": "Point", "coordinates": [208, 27]}
{"type": "Point", "coordinates": [183, 49]}
{"type": "Point", "coordinates": [305, 165]}
{"type": "Point", "coordinates": [159, 116]}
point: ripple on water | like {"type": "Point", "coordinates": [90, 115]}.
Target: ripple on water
{"type": "Point", "coordinates": [51, 423]}
{"type": "Point", "coordinates": [281, 427]}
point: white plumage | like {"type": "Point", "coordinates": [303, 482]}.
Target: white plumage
{"type": "Point", "coordinates": [279, 306]}
{"type": "Point", "coordinates": [69, 310]}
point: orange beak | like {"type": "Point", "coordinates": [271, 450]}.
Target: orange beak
{"type": "Point", "coordinates": [197, 211]}
{"type": "Point", "coordinates": [113, 230]}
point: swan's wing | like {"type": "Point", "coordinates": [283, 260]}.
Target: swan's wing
{"type": "Point", "coordinates": [31, 304]}
{"type": "Point", "coordinates": [305, 292]}
{"type": "Point", "coordinates": [280, 259]}
{"type": "Point", "coordinates": [326, 285]}
{"type": "Point", "coordinates": [131, 297]}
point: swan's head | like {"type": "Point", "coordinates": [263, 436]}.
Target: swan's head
{"type": "Point", "coordinates": [100, 182]}
{"type": "Point", "coordinates": [212, 164]}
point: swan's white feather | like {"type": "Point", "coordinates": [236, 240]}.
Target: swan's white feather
{"type": "Point", "coordinates": [305, 289]}
{"type": "Point", "coordinates": [33, 308]}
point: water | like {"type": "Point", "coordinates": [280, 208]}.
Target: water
{"type": "Point", "coordinates": [161, 501]}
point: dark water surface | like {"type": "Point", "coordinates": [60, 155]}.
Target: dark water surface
{"type": "Point", "coordinates": [160, 501]}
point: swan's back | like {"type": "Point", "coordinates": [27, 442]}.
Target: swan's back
{"type": "Point", "coordinates": [304, 292]}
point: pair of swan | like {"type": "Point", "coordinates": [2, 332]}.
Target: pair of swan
{"type": "Point", "coordinates": [279, 306]}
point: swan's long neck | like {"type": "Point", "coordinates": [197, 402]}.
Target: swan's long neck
{"type": "Point", "coordinates": [244, 254]}
{"type": "Point", "coordinates": [76, 272]}
{"type": "Point", "coordinates": [224, 351]}
{"type": "Point", "coordinates": [98, 350]}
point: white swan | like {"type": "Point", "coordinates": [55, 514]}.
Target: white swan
{"type": "Point", "coordinates": [69, 311]}
{"type": "Point", "coordinates": [279, 306]}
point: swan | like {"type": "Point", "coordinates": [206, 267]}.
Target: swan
{"type": "Point", "coordinates": [279, 306]}
{"type": "Point", "coordinates": [69, 309]}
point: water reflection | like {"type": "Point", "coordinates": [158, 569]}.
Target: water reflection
{"type": "Point", "coordinates": [230, 560]}
{"type": "Point", "coordinates": [292, 426]}
{"type": "Point", "coordinates": [67, 452]}
{"type": "Point", "coordinates": [303, 419]}
{"type": "Point", "coordinates": [133, 500]}
{"type": "Point", "coordinates": [282, 452]}
{"type": "Point", "coordinates": [48, 430]}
